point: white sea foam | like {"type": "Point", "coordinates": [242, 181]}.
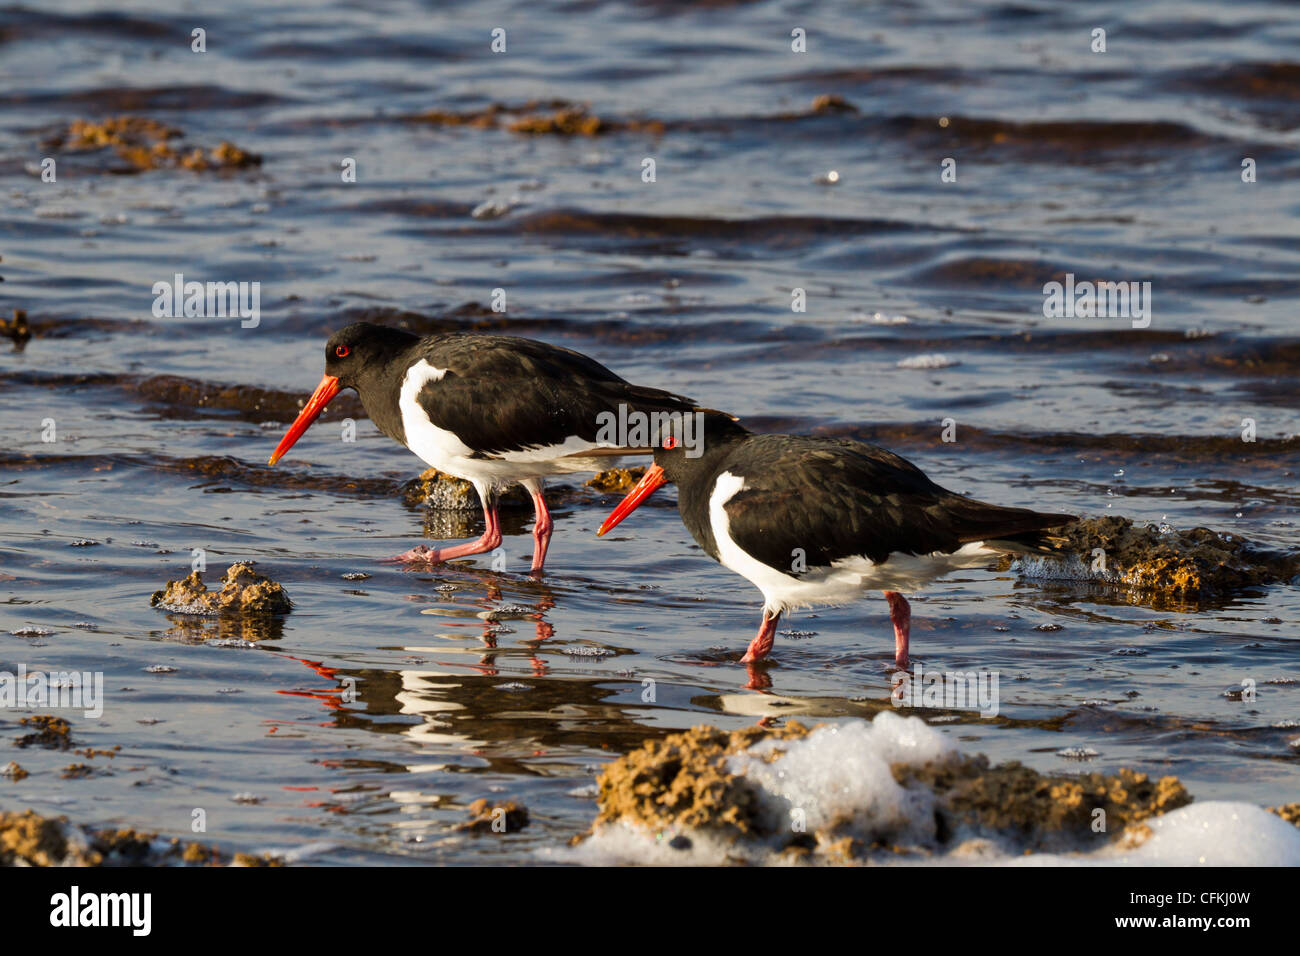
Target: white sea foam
{"type": "Point", "coordinates": [932, 361]}
{"type": "Point", "coordinates": [1069, 567]}
{"type": "Point", "coordinates": [839, 769]}
{"type": "Point", "coordinates": [1214, 833]}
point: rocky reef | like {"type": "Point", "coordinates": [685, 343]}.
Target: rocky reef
{"type": "Point", "coordinates": [1161, 563]}
{"type": "Point", "coordinates": [887, 790]}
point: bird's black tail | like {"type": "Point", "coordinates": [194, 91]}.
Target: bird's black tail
{"type": "Point", "coordinates": [1006, 529]}
{"type": "Point", "coordinates": [643, 398]}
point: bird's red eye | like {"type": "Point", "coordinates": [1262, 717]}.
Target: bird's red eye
{"type": "Point", "coordinates": [670, 442]}
{"type": "Point", "coordinates": [342, 351]}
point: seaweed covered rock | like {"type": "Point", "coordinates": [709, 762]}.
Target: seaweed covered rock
{"type": "Point", "coordinates": [244, 593]}
{"type": "Point", "coordinates": [486, 816]}
{"type": "Point", "coordinates": [1289, 812]}
{"type": "Point", "coordinates": [29, 839]}
{"type": "Point", "coordinates": [566, 121]}
{"type": "Point", "coordinates": [443, 492]}
{"type": "Point", "coordinates": [1043, 812]}
{"type": "Point", "coordinates": [682, 780]}
{"type": "Point", "coordinates": [578, 120]}
{"type": "Point", "coordinates": [555, 117]}
{"type": "Point", "coordinates": [849, 792]}
{"type": "Point", "coordinates": [145, 143]}
{"type": "Point", "coordinates": [616, 479]}
{"type": "Point", "coordinates": [118, 131]}
{"type": "Point", "coordinates": [48, 731]}
{"type": "Point", "coordinates": [17, 330]}
{"type": "Point", "coordinates": [1189, 565]}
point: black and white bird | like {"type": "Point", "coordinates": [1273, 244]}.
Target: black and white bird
{"type": "Point", "coordinates": [492, 409]}
{"type": "Point", "coordinates": [816, 521]}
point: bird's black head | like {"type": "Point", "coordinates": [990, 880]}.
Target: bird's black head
{"type": "Point", "coordinates": [359, 356]}
{"type": "Point", "coordinates": [363, 350]}
{"type": "Point", "coordinates": [687, 448]}
{"type": "Point", "coordinates": [692, 443]}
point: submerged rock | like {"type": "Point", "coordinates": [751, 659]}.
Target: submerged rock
{"type": "Point", "coordinates": [48, 731]}
{"type": "Point", "coordinates": [118, 131]}
{"type": "Point", "coordinates": [850, 792]}
{"type": "Point", "coordinates": [486, 816]}
{"type": "Point", "coordinates": [148, 144]}
{"type": "Point", "coordinates": [832, 103]}
{"type": "Point", "coordinates": [554, 117]}
{"type": "Point", "coordinates": [487, 117]}
{"type": "Point", "coordinates": [568, 121]}
{"type": "Point", "coordinates": [244, 592]}
{"type": "Point", "coordinates": [577, 120]}
{"type": "Point", "coordinates": [29, 839]}
{"type": "Point", "coordinates": [1289, 812]}
{"type": "Point", "coordinates": [1187, 565]}
{"type": "Point", "coordinates": [17, 329]}
{"type": "Point", "coordinates": [444, 492]}
{"type": "Point", "coordinates": [616, 479]}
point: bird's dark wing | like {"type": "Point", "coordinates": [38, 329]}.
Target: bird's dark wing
{"type": "Point", "coordinates": [838, 499]}
{"type": "Point", "coordinates": [503, 394]}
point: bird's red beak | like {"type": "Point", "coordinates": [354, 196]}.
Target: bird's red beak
{"type": "Point", "coordinates": [326, 390]}
{"type": "Point", "coordinates": [653, 479]}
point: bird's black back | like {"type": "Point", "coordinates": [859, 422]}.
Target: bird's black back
{"type": "Point", "coordinates": [834, 498]}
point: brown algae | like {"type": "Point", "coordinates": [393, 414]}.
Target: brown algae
{"type": "Point", "coordinates": [149, 144]}
{"type": "Point", "coordinates": [538, 118]}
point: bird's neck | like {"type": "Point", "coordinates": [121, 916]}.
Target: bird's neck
{"type": "Point", "coordinates": [379, 386]}
{"type": "Point", "coordinates": [695, 482]}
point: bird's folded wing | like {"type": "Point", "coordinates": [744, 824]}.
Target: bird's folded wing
{"type": "Point", "coordinates": [836, 501]}
{"type": "Point", "coordinates": [518, 394]}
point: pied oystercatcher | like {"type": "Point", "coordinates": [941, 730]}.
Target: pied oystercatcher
{"type": "Point", "coordinates": [818, 520]}
{"type": "Point", "coordinates": [492, 409]}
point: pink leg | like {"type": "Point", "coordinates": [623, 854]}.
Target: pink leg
{"type": "Point", "coordinates": [761, 645]}
{"type": "Point", "coordinates": [900, 612]}
{"type": "Point", "coordinates": [490, 541]}
{"type": "Point", "coordinates": [541, 529]}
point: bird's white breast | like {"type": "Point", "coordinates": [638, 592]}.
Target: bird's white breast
{"type": "Point", "coordinates": [436, 446]}
{"type": "Point", "coordinates": [780, 591]}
